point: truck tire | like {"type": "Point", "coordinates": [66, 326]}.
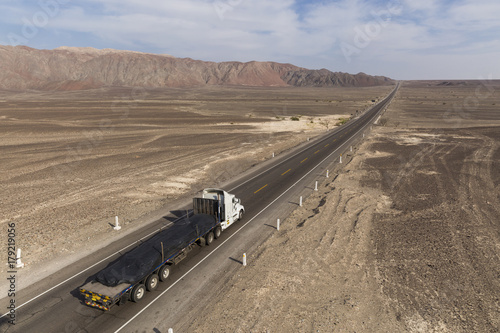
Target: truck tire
{"type": "Point", "coordinates": [138, 292]}
{"type": "Point", "coordinates": [209, 238]}
{"type": "Point", "coordinates": [164, 273]}
{"type": "Point", "coordinates": [152, 282]}
{"type": "Point", "coordinates": [240, 216]}
{"type": "Point", "coordinates": [217, 232]}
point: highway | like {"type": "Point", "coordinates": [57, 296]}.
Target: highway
{"type": "Point", "coordinates": [268, 192]}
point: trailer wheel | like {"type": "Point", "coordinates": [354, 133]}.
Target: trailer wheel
{"type": "Point", "coordinates": [217, 232]}
{"type": "Point", "coordinates": [152, 282]}
{"type": "Point", "coordinates": [209, 238]}
{"type": "Point", "coordinates": [138, 293]}
{"type": "Point", "coordinates": [240, 216]}
{"type": "Point", "coordinates": [164, 272]}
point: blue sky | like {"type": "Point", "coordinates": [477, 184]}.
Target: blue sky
{"type": "Point", "coordinates": [403, 39]}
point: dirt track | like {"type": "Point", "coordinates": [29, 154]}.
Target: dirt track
{"type": "Point", "coordinates": [439, 254]}
{"type": "Point", "coordinates": [407, 238]}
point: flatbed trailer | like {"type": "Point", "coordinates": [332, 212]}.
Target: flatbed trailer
{"type": "Point", "coordinates": [141, 269]}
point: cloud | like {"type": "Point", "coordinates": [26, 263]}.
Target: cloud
{"type": "Point", "coordinates": [254, 29]}
{"type": "Point", "coordinates": [311, 34]}
{"type": "Point", "coordinates": [476, 14]}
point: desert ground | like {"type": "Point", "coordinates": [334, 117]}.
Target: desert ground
{"type": "Point", "coordinates": [71, 161]}
{"type": "Point", "coordinates": [406, 238]}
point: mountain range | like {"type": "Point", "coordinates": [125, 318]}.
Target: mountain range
{"type": "Point", "coordinates": [71, 68]}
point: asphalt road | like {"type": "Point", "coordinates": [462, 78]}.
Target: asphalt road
{"type": "Point", "coordinates": [268, 192]}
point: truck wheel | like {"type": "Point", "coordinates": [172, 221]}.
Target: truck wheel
{"type": "Point", "coordinates": [164, 272]}
{"type": "Point", "coordinates": [209, 238]}
{"type": "Point", "coordinates": [138, 293]}
{"type": "Point", "coordinates": [217, 232]}
{"type": "Point", "coordinates": [240, 216]}
{"type": "Point", "coordinates": [152, 282]}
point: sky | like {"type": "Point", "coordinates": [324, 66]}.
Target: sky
{"type": "Point", "coordinates": [402, 39]}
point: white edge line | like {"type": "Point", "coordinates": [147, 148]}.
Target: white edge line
{"type": "Point", "coordinates": [243, 226]}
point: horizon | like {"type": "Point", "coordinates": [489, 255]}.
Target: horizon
{"type": "Point", "coordinates": [403, 40]}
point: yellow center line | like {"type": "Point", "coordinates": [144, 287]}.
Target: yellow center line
{"type": "Point", "coordinates": [286, 172]}
{"type": "Point", "coordinates": [260, 188]}
{"type": "Point", "coordinates": [334, 140]}
{"type": "Point", "coordinates": [317, 152]}
{"type": "Point", "coordinates": [305, 159]}
{"type": "Point", "coordinates": [327, 145]}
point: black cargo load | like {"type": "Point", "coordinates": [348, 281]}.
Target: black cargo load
{"type": "Point", "coordinates": [140, 261]}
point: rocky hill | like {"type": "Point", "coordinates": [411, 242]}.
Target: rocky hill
{"type": "Point", "coordinates": [68, 68]}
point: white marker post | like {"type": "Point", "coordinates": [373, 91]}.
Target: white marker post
{"type": "Point", "coordinates": [170, 330]}
{"type": "Point", "coordinates": [340, 158]}
{"type": "Point", "coordinates": [316, 186]}
{"type": "Point", "coordinates": [244, 259]}
{"type": "Point", "coordinates": [351, 148]}
{"type": "Point", "coordinates": [19, 263]}
{"type": "Point", "coordinates": [278, 225]}
{"type": "Point", "coordinates": [300, 202]}
{"type": "Point", "coordinates": [273, 154]}
{"type": "Point", "coordinates": [327, 171]}
{"type": "Point", "coordinates": [117, 225]}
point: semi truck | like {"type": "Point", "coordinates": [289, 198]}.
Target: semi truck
{"type": "Point", "coordinates": [142, 268]}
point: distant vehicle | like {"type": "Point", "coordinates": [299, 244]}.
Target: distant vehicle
{"type": "Point", "coordinates": [141, 269]}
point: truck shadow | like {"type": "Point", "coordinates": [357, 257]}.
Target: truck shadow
{"type": "Point", "coordinates": [76, 294]}
{"type": "Point", "coordinates": [176, 215]}
{"type": "Point", "coordinates": [7, 322]}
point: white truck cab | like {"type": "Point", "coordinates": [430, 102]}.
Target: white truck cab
{"type": "Point", "coordinates": [229, 207]}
